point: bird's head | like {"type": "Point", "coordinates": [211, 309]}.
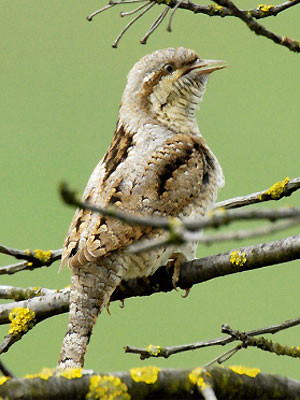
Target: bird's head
{"type": "Point", "coordinates": [169, 84]}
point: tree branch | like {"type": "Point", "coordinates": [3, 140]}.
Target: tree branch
{"type": "Point", "coordinates": [38, 258]}
{"type": "Point", "coordinates": [253, 25]}
{"type": "Point", "coordinates": [233, 382]}
{"type": "Point", "coordinates": [33, 259]}
{"type": "Point", "coordinates": [215, 220]}
{"type": "Point", "coordinates": [191, 273]}
{"type": "Point", "coordinates": [223, 8]}
{"type": "Point", "coordinates": [234, 335]}
{"type": "Point", "coordinates": [276, 192]}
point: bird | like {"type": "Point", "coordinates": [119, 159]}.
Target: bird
{"type": "Point", "coordinates": [159, 165]}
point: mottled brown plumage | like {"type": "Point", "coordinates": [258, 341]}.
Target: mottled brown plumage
{"type": "Point", "coordinates": [158, 164]}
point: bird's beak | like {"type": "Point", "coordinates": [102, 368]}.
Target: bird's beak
{"type": "Point", "coordinates": [206, 66]}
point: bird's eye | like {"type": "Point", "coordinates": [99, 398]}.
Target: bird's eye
{"type": "Point", "coordinates": [169, 68]}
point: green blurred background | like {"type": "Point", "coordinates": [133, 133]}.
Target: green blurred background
{"type": "Point", "coordinates": [61, 84]}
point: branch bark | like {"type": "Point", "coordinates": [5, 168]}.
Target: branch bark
{"type": "Point", "coordinates": [191, 273]}
{"type": "Point", "coordinates": [233, 382]}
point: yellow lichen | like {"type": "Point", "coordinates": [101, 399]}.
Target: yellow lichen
{"type": "Point", "coordinates": [241, 370]}
{"type": "Point", "coordinates": [275, 190]}
{"type": "Point", "coordinates": [30, 264]}
{"type": "Point", "coordinates": [238, 258]}
{"type": "Point", "coordinates": [196, 377]}
{"type": "Point", "coordinates": [22, 319]}
{"type": "Point", "coordinates": [216, 7]}
{"type": "Point", "coordinates": [145, 374]}
{"type": "Point", "coordinates": [45, 374]}
{"type": "Point", "coordinates": [43, 256]}
{"type": "Point", "coordinates": [153, 350]}
{"type": "Point", "coordinates": [107, 388]}
{"type": "Point", "coordinates": [71, 373]}
{"type": "Point", "coordinates": [4, 379]}
{"type": "Point", "coordinates": [264, 7]}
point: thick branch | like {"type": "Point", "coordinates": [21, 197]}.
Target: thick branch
{"type": "Point", "coordinates": [253, 25]}
{"type": "Point", "coordinates": [233, 382]}
{"type": "Point", "coordinates": [191, 273]}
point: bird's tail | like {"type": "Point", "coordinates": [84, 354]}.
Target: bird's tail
{"type": "Point", "coordinates": [91, 288]}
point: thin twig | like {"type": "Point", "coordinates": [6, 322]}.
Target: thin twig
{"type": "Point", "coordinates": [168, 351]}
{"type": "Point", "coordinates": [188, 236]}
{"type": "Point", "coordinates": [33, 259]}
{"type": "Point", "coordinates": [5, 371]}
{"type": "Point", "coordinates": [217, 219]}
{"type": "Point", "coordinates": [125, 14]}
{"type": "Point", "coordinates": [225, 8]}
{"type": "Point", "coordinates": [155, 25]}
{"type": "Point", "coordinates": [126, 27]}
{"type": "Point", "coordinates": [243, 233]}
{"type": "Point", "coordinates": [172, 15]}
{"type": "Point", "coordinates": [129, 2]}
{"type": "Point", "coordinates": [258, 197]}
{"type": "Point", "coordinates": [91, 16]}
{"type": "Point", "coordinates": [223, 357]}
{"type": "Point", "coordinates": [13, 268]}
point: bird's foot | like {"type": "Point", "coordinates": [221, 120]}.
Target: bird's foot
{"type": "Point", "coordinates": [175, 261]}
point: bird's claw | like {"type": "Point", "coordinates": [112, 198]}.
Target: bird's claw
{"type": "Point", "coordinates": [187, 292]}
{"type": "Point", "coordinates": [175, 261]}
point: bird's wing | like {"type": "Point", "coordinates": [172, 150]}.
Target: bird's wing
{"type": "Point", "coordinates": [173, 179]}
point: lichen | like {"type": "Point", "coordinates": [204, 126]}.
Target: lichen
{"type": "Point", "coordinates": [265, 7]}
{"type": "Point", "coordinates": [22, 319]}
{"type": "Point", "coordinates": [153, 350]}
{"type": "Point", "coordinates": [147, 374]}
{"type": "Point", "coordinates": [45, 374]}
{"type": "Point", "coordinates": [216, 7]}
{"type": "Point", "coordinates": [4, 379]}
{"type": "Point", "coordinates": [238, 258]}
{"type": "Point", "coordinates": [107, 388]}
{"type": "Point", "coordinates": [196, 377]}
{"type": "Point", "coordinates": [71, 373]}
{"type": "Point", "coordinates": [241, 370]}
{"type": "Point", "coordinates": [42, 256]}
{"type": "Point", "coordinates": [275, 191]}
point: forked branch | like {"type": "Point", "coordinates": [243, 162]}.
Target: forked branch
{"type": "Point", "coordinates": [222, 8]}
